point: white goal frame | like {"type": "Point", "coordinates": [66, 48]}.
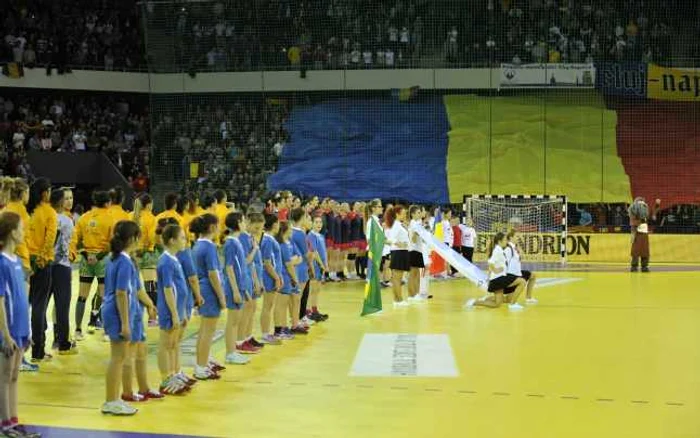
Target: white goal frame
{"type": "Point", "coordinates": [562, 198]}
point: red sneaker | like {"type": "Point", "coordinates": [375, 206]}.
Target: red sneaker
{"type": "Point", "coordinates": [216, 366]}
{"type": "Point", "coordinates": [247, 348]}
{"type": "Point", "coordinates": [134, 398]}
{"type": "Point", "coordinates": [300, 330]}
{"type": "Point", "coordinates": [152, 395]}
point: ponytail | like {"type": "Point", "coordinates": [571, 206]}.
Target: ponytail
{"type": "Point", "coordinates": [140, 203]}
{"type": "Point", "coordinates": [124, 233]}
{"type": "Point", "coordinates": [202, 224]}
{"type": "Point", "coordinates": [391, 214]}
{"type": "Point", "coordinates": [497, 238]}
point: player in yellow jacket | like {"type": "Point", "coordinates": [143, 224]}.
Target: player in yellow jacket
{"type": "Point", "coordinates": [90, 245]}
{"type": "Point", "coordinates": [146, 255]}
{"type": "Point", "coordinates": [191, 211]}
{"type": "Point", "coordinates": [19, 197]}
{"type": "Point", "coordinates": [116, 199]}
{"type": "Point", "coordinates": [42, 230]}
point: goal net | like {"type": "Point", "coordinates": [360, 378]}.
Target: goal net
{"type": "Point", "coordinates": [540, 222]}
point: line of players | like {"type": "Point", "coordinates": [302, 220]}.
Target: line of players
{"type": "Point", "coordinates": [235, 260]}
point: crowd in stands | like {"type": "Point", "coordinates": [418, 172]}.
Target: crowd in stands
{"type": "Point", "coordinates": [231, 145]}
{"type": "Point", "coordinates": [329, 34]}
{"type": "Point", "coordinates": [75, 34]}
{"type": "Point", "coordinates": [562, 31]}
{"type": "Point", "coordinates": [74, 122]}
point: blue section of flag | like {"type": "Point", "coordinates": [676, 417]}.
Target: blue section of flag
{"type": "Point", "coordinates": [358, 149]}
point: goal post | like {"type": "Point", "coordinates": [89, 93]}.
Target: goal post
{"type": "Point", "coordinates": [540, 221]}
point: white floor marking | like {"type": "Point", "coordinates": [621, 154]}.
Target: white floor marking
{"type": "Point", "coordinates": [404, 355]}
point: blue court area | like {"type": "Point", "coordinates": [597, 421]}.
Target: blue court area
{"type": "Point", "coordinates": [358, 149]}
{"type": "Point", "coordinates": [60, 432]}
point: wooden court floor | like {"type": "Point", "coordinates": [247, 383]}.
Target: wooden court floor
{"type": "Point", "coordinates": [603, 354]}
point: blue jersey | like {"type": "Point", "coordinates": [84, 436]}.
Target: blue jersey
{"type": "Point", "coordinates": [206, 259]}
{"type": "Point", "coordinates": [287, 251]}
{"type": "Point", "coordinates": [234, 256]}
{"type": "Point", "coordinates": [247, 243]}
{"type": "Point", "coordinates": [299, 241]}
{"type": "Point", "coordinates": [258, 263]}
{"type": "Point", "coordinates": [187, 264]}
{"type": "Point", "coordinates": [13, 290]}
{"type": "Point", "coordinates": [270, 253]}
{"type": "Point", "coordinates": [317, 243]}
{"type": "Point", "coordinates": [121, 274]}
{"type": "Point", "coordinates": [170, 275]}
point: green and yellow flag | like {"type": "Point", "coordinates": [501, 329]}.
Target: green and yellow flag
{"type": "Point", "coordinates": [373, 288]}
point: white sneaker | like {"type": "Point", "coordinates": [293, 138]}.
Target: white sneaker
{"type": "Point", "coordinates": [118, 407]}
{"type": "Point", "coordinates": [79, 336]}
{"type": "Point", "coordinates": [470, 303]}
{"type": "Point", "coordinates": [236, 359]}
{"type": "Point", "coordinates": [308, 321]}
{"type": "Point", "coordinates": [531, 301]}
{"type": "Point", "coordinates": [401, 304]}
{"type": "Point", "coordinates": [105, 338]}
{"type": "Point", "coordinates": [515, 307]}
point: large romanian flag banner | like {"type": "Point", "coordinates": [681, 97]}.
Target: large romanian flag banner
{"type": "Point", "coordinates": [373, 288]}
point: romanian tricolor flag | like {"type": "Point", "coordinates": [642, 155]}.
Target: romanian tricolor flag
{"type": "Point", "coordinates": [437, 263]}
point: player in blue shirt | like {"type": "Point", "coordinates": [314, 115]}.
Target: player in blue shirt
{"type": "Point", "coordinates": [206, 261]}
{"type": "Point", "coordinates": [290, 285]}
{"type": "Point", "coordinates": [301, 222]}
{"type": "Point", "coordinates": [272, 277]}
{"type": "Point", "coordinates": [256, 223]}
{"type": "Point", "coordinates": [246, 343]}
{"type": "Point", "coordinates": [238, 287]}
{"type": "Point", "coordinates": [172, 300]}
{"type": "Point", "coordinates": [319, 257]}
{"type": "Point", "coordinates": [14, 321]}
{"type": "Point", "coordinates": [122, 315]}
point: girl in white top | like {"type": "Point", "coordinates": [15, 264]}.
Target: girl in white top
{"type": "Point", "coordinates": [515, 268]}
{"type": "Point", "coordinates": [468, 239]}
{"type": "Point", "coordinates": [499, 279]}
{"type": "Point", "coordinates": [399, 242]}
{"type": "Point", "coordinates": [425, 275]}
{"type": "Point", "coordinates": [415, 251]}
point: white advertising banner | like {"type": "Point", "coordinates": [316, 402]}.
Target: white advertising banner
{"type": "Point", "coordinates": [547, 75]}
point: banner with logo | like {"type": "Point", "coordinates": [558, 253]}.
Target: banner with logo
{"type": "Point", "coordinates": [627, 79]}
{"type": "Point", "coordinates": [548, 75]}
{"type": "Point", "coordinates": [599, 248]}
{"type": "Point", "coordinates": [673, 84]}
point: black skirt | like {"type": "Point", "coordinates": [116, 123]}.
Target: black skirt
{"type": "Point", "coordinates": [501, 283]}
{"type": "Point", "coordinates": [416, 259]}
{"type": "Point", "coordinates": [526, 276]}
{"type": "Point", "coordinates": [400, 260]}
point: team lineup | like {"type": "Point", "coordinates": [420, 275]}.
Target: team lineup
{"type": "Point", "coordinates": [203, 259]}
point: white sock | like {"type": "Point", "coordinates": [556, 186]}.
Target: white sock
{"type": "Point", "coordinates": [424, 286]}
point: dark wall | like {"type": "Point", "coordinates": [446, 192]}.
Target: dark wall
{"type": "Point", "coordinates": [82, 168]}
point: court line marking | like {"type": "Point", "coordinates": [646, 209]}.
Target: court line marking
{"type": "Point", "coordinates": [448, 391]}
{"type": "Point", "coordinates": [51, 405]}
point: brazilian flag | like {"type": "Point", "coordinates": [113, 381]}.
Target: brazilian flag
{"type": "Point", "coordinates": [373, 288]}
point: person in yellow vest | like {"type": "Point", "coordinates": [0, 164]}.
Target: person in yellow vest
{"type": "Point", "coordinates": [191, 211]}
{"type": "Point", "coordinates": [221, 211]}
{"type": "Point", "coordinates": [19, 197]}
{"type": "Point", "coordinates": [43, 227]}
{"type": "Point", "coordinates": [116, 199]}
{"type": "Point", "coordinates": [171, 203]}
{"type": "Point", "coordinates": [146, 256]}
{"type": "Point", "coordinates": [7, 184]}
{"type": "Point", "coordinates": [90, 245]}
